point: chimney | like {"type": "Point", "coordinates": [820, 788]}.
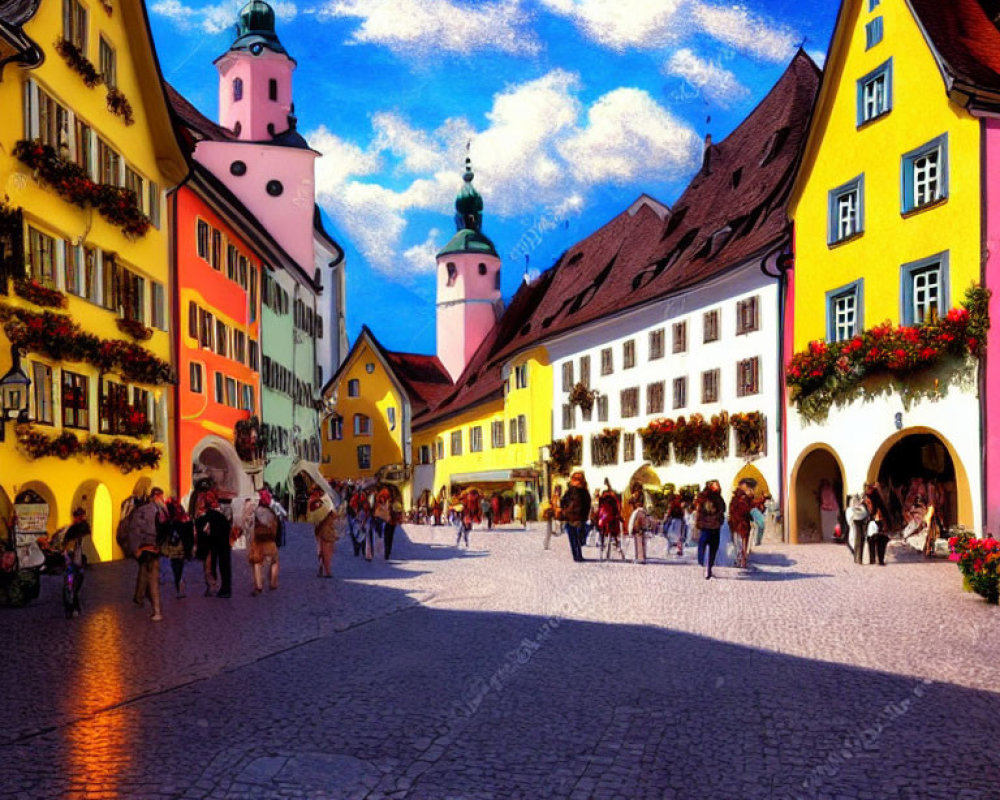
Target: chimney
{"type": "Point", "coordinates": [706, 158]}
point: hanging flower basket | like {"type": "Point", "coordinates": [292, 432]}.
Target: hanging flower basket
{"type": "Point", "coordinates": [656, 439]}
{"type": "Point", "coordinates": [78, 62]}
{"type": "Point", "coordinates": [247, 440]}
{"type": "Point", "coordinates": [119, 105]}
{"type": "Point", "coordinates": [583, 397]}
{"type": "Point", "coordinates": [749, 430]}
{"type": "Point", "coordinates": [688, 435]}
{"type": "Point", "coordinates": [39, 294]}
{"type": "Point", "coordinates": [135, 329]}
{"type": "Point", "coordinates": [125, 455]}
{"type": "Point", "coordinates": [566, 453]}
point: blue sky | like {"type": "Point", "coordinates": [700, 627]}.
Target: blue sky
{"type": "Point", "coordinates": [573, 108]}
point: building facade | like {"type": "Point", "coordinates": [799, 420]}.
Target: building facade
{"type": "Point", "coordinates": [86, 294]}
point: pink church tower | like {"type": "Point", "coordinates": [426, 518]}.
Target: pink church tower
{"type": "Point", "coordinates": [255, 78]}
{"type": "Point", "coordinates": [468, 290]}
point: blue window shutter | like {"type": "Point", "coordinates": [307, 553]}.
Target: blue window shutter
{"type": "Point", "coordinates": [873, 33]}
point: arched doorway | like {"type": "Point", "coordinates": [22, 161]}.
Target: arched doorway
{"type": "Point", "coordinates": [37, 494]}
{"type": "Point", "coordinates": [814, 467]}
{"type": "Point", "coordinates": [645, 476]}
{"type": "Point", "coordinates": [215, 459]}
{"type": "Point", "coordinates": [6, 515]}
{"type": "Point", "coordinates": [95, 498]}
{"type": "Point", "coordinates": [919, 461]}
{"type": "Point", "coordinates": [750, 472]}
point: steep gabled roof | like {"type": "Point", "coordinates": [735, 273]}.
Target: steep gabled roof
{"type": "Point", "coordinates": [198, 125]}
{"type": "Point", "coordinates": [424, 377]}
{"type": "Point", "coordinates": [734, 209]}
{"type": "Point", "coordinates": [965, 40]}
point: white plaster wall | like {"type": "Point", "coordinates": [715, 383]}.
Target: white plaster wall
{"type": "Point", "coordinates": [722, 292]}
{"type": "Point", "coordinates": [856, 432]}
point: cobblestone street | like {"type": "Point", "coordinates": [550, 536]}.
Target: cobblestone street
{"type": "Point", "coordinates": [504, 671]}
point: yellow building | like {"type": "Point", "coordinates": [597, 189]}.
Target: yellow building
{"type": "Point", "coordinates": [888, 210]}
{"type": "Point", "coordinates": [88, 152]}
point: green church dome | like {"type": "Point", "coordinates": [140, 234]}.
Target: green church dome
{"type": "Point", "coordinates": [255, 29]}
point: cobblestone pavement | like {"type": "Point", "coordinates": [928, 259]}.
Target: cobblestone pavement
{"type": "Point", "coordinates": [505, 671]}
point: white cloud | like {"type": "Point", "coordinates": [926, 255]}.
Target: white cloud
{"type": "Point", "coordinates": [630, 136]}
{"type": "Point", "coordinates": [651, 24]}
{"type": "Point", "coordinates": [714, 81]}
{"type": "Point", "coordinates": [540, 148]}
{"type": "Point", "coordinates": [818, 56]}
{"type": "Point", "coordinates": [214, 18]}
{"type": "Point", "coordinates": [740, 28]}
{"type": "Point", "coordinates": [620, 24]}
{"type": "Point", "coordinates": [423, 27]}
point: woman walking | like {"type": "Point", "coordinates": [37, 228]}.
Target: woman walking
{"type": "Point", "coordinates": [878, 521]}
{"type": "Point", "coordinates": [320, 513]}
{"type": "Point", "coordinates": [711, 514]}
{"type": "Point", "coordinates": [178, 543]}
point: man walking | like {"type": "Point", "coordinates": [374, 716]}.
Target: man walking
{"type": "Point", "coordinates": [144, 528]}
{"type": "Point", "coordinates": [575, 507]}
{"type": "Point", "coordinates": [218, 528]}
{"type": "Point", "coordinates": [265, 544]}
{"type": "Point", "coordinates": [710, 516]}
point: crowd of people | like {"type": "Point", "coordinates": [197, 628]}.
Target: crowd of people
{"type": "Point", "coordinates": [608, 520]}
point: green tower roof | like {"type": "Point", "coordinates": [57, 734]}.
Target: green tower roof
{"type": "Point", "coordinates": [255, 29]}
{"type": "Point", "coordinates": [469, 220]}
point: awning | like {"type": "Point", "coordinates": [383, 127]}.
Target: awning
{"type": "Point", "coordinates": [494, 476]}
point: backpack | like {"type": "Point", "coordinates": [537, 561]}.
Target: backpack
{"type": "Point", "coordinates": [141, 530]}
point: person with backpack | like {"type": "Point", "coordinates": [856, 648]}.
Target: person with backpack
{"type": "Point", "coordinates": [575, 506]}
{"type": "Point", "coordinates": [263, 549]}
{"type": "Point", "coordinates": [145, 525]}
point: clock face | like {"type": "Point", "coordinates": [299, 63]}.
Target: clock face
{"type": "Point", "coordinates": [369, 367]}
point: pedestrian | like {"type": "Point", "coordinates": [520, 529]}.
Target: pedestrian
{"type": "Point", "coordinates": [676, 523]}
{"type": "Point", "coordinates": [740, 508]}
{"type": "Point", "coordinates": [395, 520]}
{"type": "Point", "coordinates": [263, 546]}
{"type": "Point", "coordinates": [75, 559]}
{"type": "Point", "coordinates": [382, 515]}
{"type": "Point", "coordinates": [177, 543]}
{"type": "Point", "coordinates": [320, 513]}
{"type": "Point", "coordinates": [145, 524]}
{"type": "Point", "coordinates": [218, 530]}
{"type": "Point", "coordinates": [710, 516]}
{"type": "Point", "coordinates": [856, 514]}
{"type": "Point", "coordinates": [554, 514]}
{"type": "Point", "coordinates": [878, 521]}
{"type": "Point", "coordinates": [575, 505]}
{"type": "Point", "coordinates": [486, 510]}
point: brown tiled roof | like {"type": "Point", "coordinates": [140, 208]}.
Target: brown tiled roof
{"type": "Point", "coordinates": [731, 211]}
{"type": "Point", "coordinates": [200, 125]}
{"type": "Point", "coordinates": [966, 38]}
{"type": "Point", "coordinates": [482, 378]}
{"type": "Point", "coordinates": [424, 377]}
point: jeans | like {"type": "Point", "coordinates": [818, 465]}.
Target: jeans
{"type": "Point", "coordinates": [709, 538]}
{"type": "Point", "coordinates": [574, 533]}
{"type": "Point", "coordinates": [463, 531]}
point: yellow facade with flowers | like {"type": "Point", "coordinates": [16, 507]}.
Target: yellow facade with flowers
{"type": "Point", "coordinates": [88, 154]}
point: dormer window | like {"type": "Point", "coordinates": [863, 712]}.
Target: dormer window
{"type": "Point", "coordinates": [237, 89]}
{"type": "Point", "coordinates": [773, 146]}
{"type": "Point", "coordinates": [272, 89]}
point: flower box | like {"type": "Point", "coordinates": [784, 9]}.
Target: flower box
{"type": "Point", "coordinates": [39, 294]}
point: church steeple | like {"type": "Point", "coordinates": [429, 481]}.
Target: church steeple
{"type": "Point", "coordinates": [255, 29]}
{"type": "Point", "coordinates": [468, 203]}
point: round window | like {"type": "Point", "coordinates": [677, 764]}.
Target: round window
{"type": "Point", "coordinates": [257, 48]}
{"type": "Point", "coordinates": [238, 168]}
{"type": "Point", "coordinates": [274, 188]}
{"type": "Point", "coordinates": [369, 367]}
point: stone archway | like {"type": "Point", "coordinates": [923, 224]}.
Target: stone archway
{"type": "Point", "coordinates": [95, 498]}
{"type": "Point", "coordinates": [47, 496]}
{"type": "Point", "coordinates": [819, 462]}
{"type": "Point", "coordinates": [922, 454]}
{"type": "Point", "coordinates": [216, 459]}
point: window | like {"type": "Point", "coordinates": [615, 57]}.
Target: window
{"type": "Point", "coordinates": [254, 355]}
{"type": "Point", "coordinates": [364, 456]}
{"type": "Point", "coordinates": [253, 294]}
{"type": "Point", "coordinates": [680, 337]}
{"type": "Point", "coordinates": [456, 443]}
{"type": "Point", "coordinates": [710, 386]}
{"type": "Point", "coordinates": [630, 402]}
{"type": "Point", "coordinates": [656, 344]}
{"type": "Point", "coordinates": [440, 449]}
{"type": "Point", "coordinates": [42, 257]}
{"type": "Point", "coordinates": [232, 260]}
{"type": "Point", "coordinates": [239, 346]}
{"type": "Point", "coordinates": [207, 329]}
{"type": "Point", "coordinates": [567, 417]}
{"type": "Point", "coordinates": [221, 338]}
{"type": "Point", "coordinates": [354, 388]}
{"type": "Point", "coordinates": [113, 406]}
{"type": "Point", "coordinates": [203, 235]}
{"type": "Point", "coordinates": [747, 318]}
{"type": "Point", "coordinates": [680, 392]}
{"type": "Point", "coordinates": [153, 203]}
{"type": "Point", "coordinates": [843, 312]}
{"type": "Point", "coordinates": [873, 4]}
{"type": "Point", "coordinates": [628, 447]}
{"type": "Point", "coordinates": [924, 286]}
{"type": "Point", "coordinates": [244, 272]}
{"type": "Point", "coordinates": [452, 273]}
{"type": "Point", "coordinates": [272, 89]}
{"type": "Point", "coordinates": [567, 376]}
{"type": "Point", "coordinates": [522, 429]}
{"type": "Point", "coordinates": [231, 395]}
{"type": "Point", "coordinates": [219, 388]}
{"type": "Point", "coordinates": [476, 439]}
{"type": "Point", "coordinates": [497, 434]}
{"type": "Point", "coordinates": [196, 377]}
{"type": "Point", "coordinates": [216, 256]}
{"type": "Point", "coordinates": [158, 306]}
{"type": "Point", "coordinates": [748, 376]}
{"type": "Point", "coordinates": [108, 163]}
{"type": "Point", "coordinates": [628, 354]}
{"type": "Point", "coordinates": [710, 326]}
{"type": "Point", "coordinates": [521, 376]}
{"type": "Point", "coordinates": [390, 414]}
{"type": "Point", "coordinates": [75, 400]}
{"type": "Point", "coordinates": [846, 217]}
{"type": "Point", "coordinates": [873, 33]}
{"type": "Point", "coordinates": [237, 89]}
{"type": "Point", "coordinates": [75, 24]}
{"type": "Point", "coordinates": [925, 174]}
{"type": "Point", "coordinates": [91, 279]}
{"type": "Point", "coordinates": [246, 397]}
{"type": "Point", "coordinates": [654, 397]}
{"type": "Point", "coordinates": [84, 152]}
{"type": "Point", "coordinates": [335, 428]}
{"type": "Point", "coordinates": [602, 408]}
{"type": "Point", "coordinates": [362, 425]}
{"type": "Point", "coordinates": [72, 267]}
{"type": "Point", "coordinates": [585, 371]}
{"type": "Point", "coordinates": [607, 361]}
{"type": "Point", "coordinates": [424, 454]}
{"type": "Point", "coordinates": [875, 93]}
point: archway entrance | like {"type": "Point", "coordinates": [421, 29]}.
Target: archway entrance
{"type": "Point", "coordinates": [920, 465]}
{"type": "Point", "coordinates": [219, 464]}
{"type": "Point", "coordinates": [818, 474]}
{"type": "Point", "coordinates": [94, 498]}
{"type": "Point", "coordinates": [750, 472]}
{"type": "Point", "coordinates": [6, 515]}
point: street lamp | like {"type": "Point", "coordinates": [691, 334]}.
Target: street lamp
{"type": "Point", "coordinates": [13, 394]}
